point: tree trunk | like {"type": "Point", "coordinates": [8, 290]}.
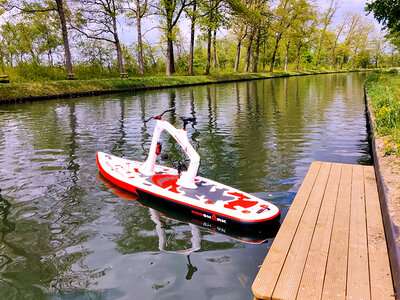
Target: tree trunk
{"type": "Point", "coordinates": [50, 57]}
{"type": "Point", "coordinates": [236, 69]}
{"type": "Point", "coordinates": [333, 56]}
{"type": "Point", "coordinates": [251, 37]}
{"type": "Point", "coordinates": [255, 63]}
{"type": "Point", "coordinates": [271, 69]}
{"type": "Point", "coordinates": [287, 55]}
{"type": "Point", "coordinates": [241, 36]}
{"type": "Point", "coordinates": [298, 57]}
{"type": "Point", "coordinates": [118, 47]}
{"type": "Point", "coordinates": [170, 56]}
{"type": "Point", "coordinates": [2, 61]}
{"type": "Point", "coordinates": [319, 50]}
{"type": "Point", "coordinates": [342, 63]}
{"type": "Point", "coordinates": [67, 52]}
{"type": "Point", "coordinates": [214, 48]}
{"type": "Point", "coordinates": [119, 56]}
{"type": "Point", "coordinates": [264, 51]}
{"type": "Point", "coordinates": [208, 65]}
{"type": "Point", "coordinates": [192, 35]}
{"type": "Point", "coordinates": [139, 37]}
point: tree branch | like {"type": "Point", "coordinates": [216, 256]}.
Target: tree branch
{"type": "Point", "coordinates": [94, 37]}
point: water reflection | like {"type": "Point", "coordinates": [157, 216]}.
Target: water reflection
{"type": "Point", "coordinates": [64, 233]}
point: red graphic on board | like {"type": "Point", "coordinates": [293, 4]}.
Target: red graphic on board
{"type": "Point", "coordinates": [166, 181]}
{"type": "Point", "coordinates": [240, 202]}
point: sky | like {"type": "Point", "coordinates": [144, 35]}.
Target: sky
{"type": "Point", "coordinates": [349, 5]}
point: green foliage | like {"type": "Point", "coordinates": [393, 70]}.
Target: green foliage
{"type": "Point", "coordinates": [33, 40]}
{"type": "Point", "coordinates": [31, 71]}
{"type": "Point", "coordinates": [386, 12]}
{"type": "Point", "coordinates": [383, 89]}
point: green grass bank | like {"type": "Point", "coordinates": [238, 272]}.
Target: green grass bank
{"type": "Point", "coordinates": [383, 90]}
{"type": "Point", "coordinates": [27, 91]}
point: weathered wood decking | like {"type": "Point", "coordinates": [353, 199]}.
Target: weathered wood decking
{"type": "Point", "coordinates": [332, 243]}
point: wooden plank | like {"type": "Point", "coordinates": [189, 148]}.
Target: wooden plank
{"type": "Point", "coordinates": [314, 272]}
{"type": "Point", "coordinates": [292, 270]}
{"type": "Point", "coordinates": [336, 269]}
{"type": "Point", "coordinates": [332, 244]}
{"type": "Point", "coordinates": [380, 274]}
{"type": "Point", "coordinates": [269, 272]}
{"type": "Point", "coordinates": [358, 286]}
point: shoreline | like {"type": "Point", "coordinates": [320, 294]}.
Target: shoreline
{"type": "Point", "coordinates": [37, 91]}
{"type": "Point", "coordinates": [388, 182]}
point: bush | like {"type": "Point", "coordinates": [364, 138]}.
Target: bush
{"type": "Point", "coordinates": [34, 72]}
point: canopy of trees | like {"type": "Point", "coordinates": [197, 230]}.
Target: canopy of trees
{"type": "Point", "coordinates": [386, 12]}
{"type": "Point", "coordinates": [46, 39]}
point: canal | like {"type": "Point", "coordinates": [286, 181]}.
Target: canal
{"type": "Point", "coordinates": [67, 233]}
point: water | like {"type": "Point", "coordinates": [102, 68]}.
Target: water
{"type": "Point", "coordinates": [66, 233]}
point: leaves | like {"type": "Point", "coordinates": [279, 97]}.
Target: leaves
{"type": "Point", "coordinates": [386, 12]}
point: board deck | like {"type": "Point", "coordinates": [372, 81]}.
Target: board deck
{"type": "Point", "coordinates": [211, 200]}
{"type": "Point", "coordinates": [332, 243]}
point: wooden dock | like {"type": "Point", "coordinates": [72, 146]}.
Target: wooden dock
{"type": "Point", "coordinates": [332, 243]}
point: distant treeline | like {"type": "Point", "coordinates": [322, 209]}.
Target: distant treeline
{"type": "Point", "coordinates": [46, 39]}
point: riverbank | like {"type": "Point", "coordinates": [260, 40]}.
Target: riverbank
{"type": "Point", "coordinates": [29, 91]}
{"type": "Point", "coordinates": [382, 97]}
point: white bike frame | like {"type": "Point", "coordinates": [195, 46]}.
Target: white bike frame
{"type": "Point", "coordinates": [186, 179]}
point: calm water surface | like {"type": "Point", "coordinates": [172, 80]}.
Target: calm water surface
{"type": "Point", "coordinates": [66, 233]}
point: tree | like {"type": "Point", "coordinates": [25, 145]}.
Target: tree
{"type": "Point", "coordinates": [212, 17]}
{"type": "Point", "coordinates": [394, 39]}
{"type": "Point", "coordinates": [31, 38]}
{"type": "Point", "coordinates": [285, 15]}
{"type": "Point", "coordinates": [256, 19]}
{"type": "Point", "coordinates": [361, 39]}
{"type": "Point", "coordinates": [240, 25]}
{"type": "Point", "coordinates": [19, 40]}
{"type": "Point", "coordinates": [63, 22]}
{"type": "Point", "coordinates": [97, 20]}
{"type": "Point", "coordinates": [193, 15]}
{"type": "Point", "coordinates": [303, 34]}
{"type": "Point", "coordinates": [339, 31]}
{"type": "Point", "coordinates": [326, 20]}
{"type": "Point", "coordinates": [138, 11]}
{"type": "Point", "coordinates": [240, 31]}
{"type": "Point", "coordinates": [353, 27]}
{"type": "Point", "coordinates": [49, 6]}
{"type": "Point", "coordinates": [387, 12]}
{"type": "Point", "coordinates": [170, 11]}
{"type": "Point", "coordinates": [377, 46]}
{"type": "Point", "coordinates": [96, 54]}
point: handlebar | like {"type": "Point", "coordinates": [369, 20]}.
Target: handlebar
{"type": "Point", "coordinates": [159, 117]}
{"type": "Point", "coordinates": [185, 120]}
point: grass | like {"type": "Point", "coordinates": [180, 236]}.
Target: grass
{"type": "Point", "coordinates": [383, 89]}
{"type": "Point", "coordinates": [53, 89]}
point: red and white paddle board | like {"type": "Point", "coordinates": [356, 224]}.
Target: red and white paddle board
{"type": "Point", "coordinates": [211, 200]}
